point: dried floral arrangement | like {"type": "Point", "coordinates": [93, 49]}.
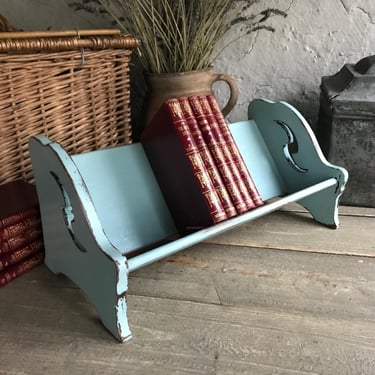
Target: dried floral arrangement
{"type": "Point", "coordinates": [181, 35]}
{"type": "Point", "coordinates": [5, 25]}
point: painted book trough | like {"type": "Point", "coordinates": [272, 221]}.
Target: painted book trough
{"type": "Point", "coordinates": [104, 215]}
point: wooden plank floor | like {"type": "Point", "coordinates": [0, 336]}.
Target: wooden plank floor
{"type": "Point", "coordinates": [280, 295]}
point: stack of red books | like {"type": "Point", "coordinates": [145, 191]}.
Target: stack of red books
{"type": "Point", "coordinates": [197, 163]}
{"type": "Point", "coordinates": [21, 240]}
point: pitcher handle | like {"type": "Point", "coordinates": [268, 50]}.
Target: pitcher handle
{"type": "Point", "coordinates": [231, 82]}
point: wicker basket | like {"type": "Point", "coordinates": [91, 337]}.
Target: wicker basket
{"type": "Point", "coordinates": [72, 86]}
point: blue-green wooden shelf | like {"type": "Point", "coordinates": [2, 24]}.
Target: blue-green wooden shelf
{"type": "Point", "coordinates": [100, 210]}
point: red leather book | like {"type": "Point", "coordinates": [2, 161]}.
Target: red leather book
{"type": "Point", "coordinates": [18, 201]}
{"type": "Point", "coordinates": [221, 141]}
{"type": "Point", "coordinates": [208, 160]}
{"type": "Point", "coordinates": [22, 253]}
{"type": "Point", "coordinates": [18, 217]}
{"type": "Point", "coordinates": [224, 164]}
{"type": "Point", "coordinates": [21, 267]}
{"type": "Point", "coordinates": [22, 239]}
{"type": "Point", "coordinates": [179, 169]}
{"type": "Point", "coordinates": [238, 160]}
{"type": "Point", "coordinates": [19, 229]}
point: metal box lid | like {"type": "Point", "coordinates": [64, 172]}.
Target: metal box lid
{"type": "Point", "coordinates": [351, 91]}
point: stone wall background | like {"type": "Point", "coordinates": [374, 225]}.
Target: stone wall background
{"type": "Point", "coordinates": [316, 39]}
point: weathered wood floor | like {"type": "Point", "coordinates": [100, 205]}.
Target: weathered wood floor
{"type": "Point", "coordinates": [281, 295]}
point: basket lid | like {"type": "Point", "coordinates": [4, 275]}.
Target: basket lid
{"type": "Point", "coordinates": [65, 40]}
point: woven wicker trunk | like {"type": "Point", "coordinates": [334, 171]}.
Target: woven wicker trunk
{"type": "Point", "coordinates": [72, 86]}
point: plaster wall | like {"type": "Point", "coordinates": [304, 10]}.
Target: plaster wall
{"type": "Point", "coordinates": [317, 38]}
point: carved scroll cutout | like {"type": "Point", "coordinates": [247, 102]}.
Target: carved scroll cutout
{"type": "Point", "coordinates": [68, 213]}
{"type": "Point", "coordinates": [291, 147]}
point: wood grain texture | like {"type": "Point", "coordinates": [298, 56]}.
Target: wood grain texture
{"type": "Point", "coordinates": [61, 334]}
{"type": "Point", "coordinates": [296, 230]}
{"type": "Point", "coordinates": [211, 309]}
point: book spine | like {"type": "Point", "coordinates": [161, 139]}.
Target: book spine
{"type": "Point", "coordinates": [19, 228]}
{"type": "Point", "coordinates": [20, 268]}
{"type": "Point", "coordinates": [212, 200]}
{"type": "Point", "coordinates": [244, 172]}
{"type": "Point", "coordinates": [20, 254]}
{"type": "Point", "coordinates": [19, 241]}
{"type": "Point", "coordinates": [220, 141]}
{"type": "Point", "coordinates": [222, 163]}
{"type": "Point", "coordinates": [208, 160]}
{"type": "Point", "coordinates": [18, 217]}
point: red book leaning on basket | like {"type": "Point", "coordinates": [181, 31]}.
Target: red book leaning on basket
{"type": "Point", "coordinates": [18, 269]}
{"type": "Point", "coordinates": [21, 240]}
